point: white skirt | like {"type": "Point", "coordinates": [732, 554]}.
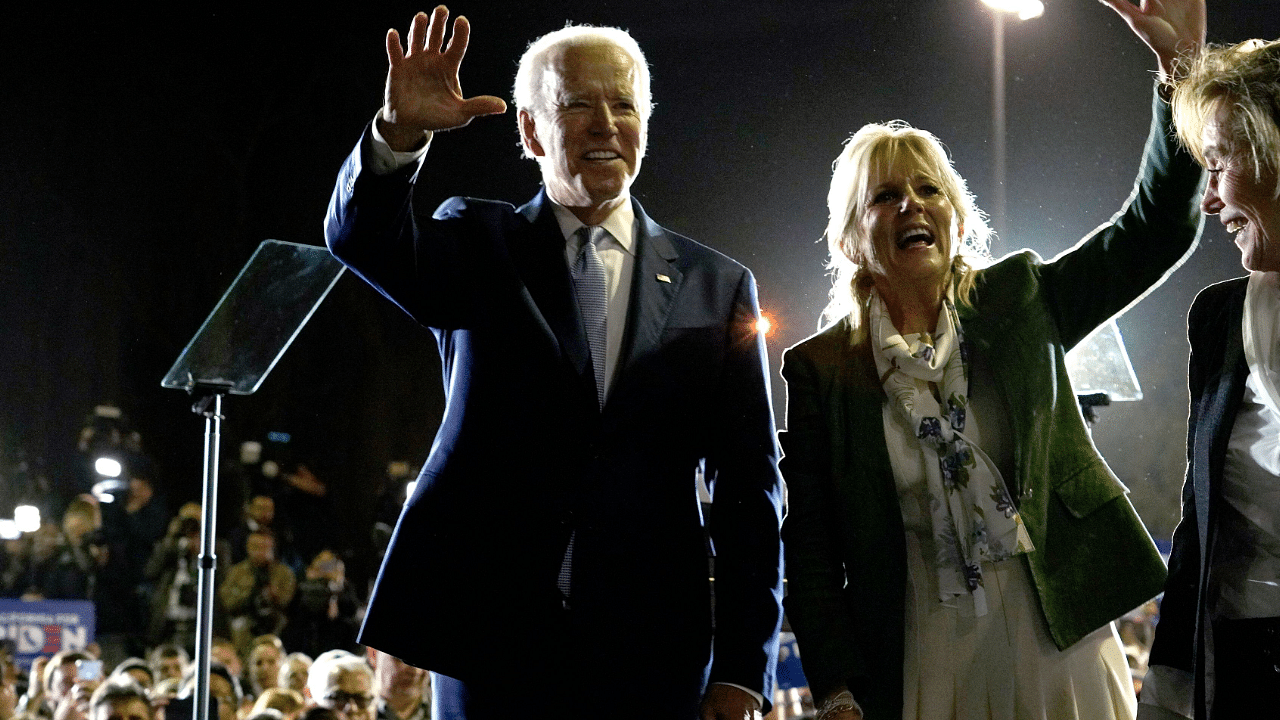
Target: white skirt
{"type": "Point", "coordinates": [1004, 665]}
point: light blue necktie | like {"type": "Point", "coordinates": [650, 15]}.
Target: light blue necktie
{"type": "Point", "coordinates": [593, 300]}
{"type": "Point", "coordinates": [591, 289]}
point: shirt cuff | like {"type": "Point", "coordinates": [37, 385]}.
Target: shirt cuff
{"type": "Point", "coordinates": [758, 697]}
{"type": "Point", "coordinates": [1168, 688]}
{"type": "Point", "coordinates": [386, 160]}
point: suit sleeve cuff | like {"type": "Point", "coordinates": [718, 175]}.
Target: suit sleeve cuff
{"type": "Point", "coordinates": [385, 160]}
{"type": "Point", "coordinates": [1166, 693]}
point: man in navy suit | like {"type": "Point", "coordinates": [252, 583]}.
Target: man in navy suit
{"type": "Point", "coordinates": [552, 559]}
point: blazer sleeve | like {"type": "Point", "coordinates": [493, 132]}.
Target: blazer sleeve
{"type": "Point", "coordinates": [747, 508]}
{"type": "Point", "coordinates": [442, 269]}
{"type": "Point", "coordinates": [1123, 259]}
{"type": "Point", "coordinates": [815, 572]}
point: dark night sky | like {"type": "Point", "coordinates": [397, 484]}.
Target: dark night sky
{"type": "Point", "coordinates": [147, 154]}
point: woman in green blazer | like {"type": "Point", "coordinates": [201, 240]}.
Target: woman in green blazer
{"type": "Point", "coordinates": [955, 546]}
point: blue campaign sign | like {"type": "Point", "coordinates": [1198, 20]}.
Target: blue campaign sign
{"type": "Point", "coordinates": [789, 673]}
{"type": "Point", "coordinates": [43, 627]}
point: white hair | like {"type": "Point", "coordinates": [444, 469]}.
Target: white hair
{"type": "Point", "coordinates": [328, 665]}
{"type": "Point", "coordinates": [529, 92]}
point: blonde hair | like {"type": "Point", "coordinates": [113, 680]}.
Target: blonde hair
{"type": "Point", "coordinates": [1245, 79]}
{"type": "Point", "coordinates": [285, 700]}
{"type": "Point", "coordinates": [875, 147]}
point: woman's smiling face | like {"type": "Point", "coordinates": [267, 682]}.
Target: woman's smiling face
{"type": "Point", "coordinates": [907, 226]}
{"type": "Point", "coordinates": [1244, 201]}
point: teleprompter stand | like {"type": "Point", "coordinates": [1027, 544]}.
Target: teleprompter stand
{"type": "Point", "coordinates": [240, 342]}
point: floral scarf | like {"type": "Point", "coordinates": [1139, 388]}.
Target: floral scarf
{"type": "Point", "coordinates": [926, 379]}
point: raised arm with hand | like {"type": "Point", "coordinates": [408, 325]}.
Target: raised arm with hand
{"type": "Point", "coordinates": [1169, 27]}
{"type": "Point", "coordinates": [423, 93]}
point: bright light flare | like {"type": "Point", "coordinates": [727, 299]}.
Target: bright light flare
{"type": "Point", "coordinates": [105, 490]}
{"type": "Point", "coordinates": [764, 325]}
{"type": "Point", "coordinates": [9, 530]}
{"type": "Point", "coordinates": [27, 518]}
{"type": "Point", "coordinates": [1024, 9]}
{"type": "Point", "coordinates": [107, 467]}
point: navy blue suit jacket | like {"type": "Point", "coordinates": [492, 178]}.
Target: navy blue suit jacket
{"type": "Point", "coordinates": [524, 455]}
{"type": "Point", "coordinates": [1216, 378]}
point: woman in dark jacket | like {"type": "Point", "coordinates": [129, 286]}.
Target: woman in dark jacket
{"type": "Point", "coordinates": [956, 547]}
{"type": "Point", "coordinates": [1217, 647]}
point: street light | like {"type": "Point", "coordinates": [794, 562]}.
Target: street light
{"type": "Point", "coordinates": [1025, 10]}
{"type": "Point", "coordinates": [1099, 365]}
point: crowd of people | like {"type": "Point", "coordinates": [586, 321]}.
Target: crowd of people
{"type": "Point", "coordinates": [139, 566]}
{"type": "Point", "coordinates": [271, 685]}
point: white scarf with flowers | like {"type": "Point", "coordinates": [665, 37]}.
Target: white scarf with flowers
{"type": "Point", "coordinates": [973, 518]}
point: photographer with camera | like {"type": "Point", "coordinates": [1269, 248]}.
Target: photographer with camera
{"type": "Point", "coordinates": [257, 592]}
{"type": "Point", "coordinates": [174, 569]}
{"type": "Point", "coordinates": [71, 571]}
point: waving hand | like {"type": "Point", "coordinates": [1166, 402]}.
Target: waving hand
{"type": "Point", "coordinates": [423, 93]}
{"type": "Point", "coordinates": [1169, 27]}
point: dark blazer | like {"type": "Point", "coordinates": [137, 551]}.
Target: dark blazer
{"type": "Point", "coordinates": [524, 455]}
{"type": "Point", "coordinates": [845, 540]}
{"type": "Point", "coordinates": [1216, 375]}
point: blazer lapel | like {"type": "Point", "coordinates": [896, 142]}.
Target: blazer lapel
{"type": "Point", "coordinates": [539, 257]}
{"type": "Point", "coordinates": [655, 282]}
{"type": "Point", "coordinates": [1219, 406]}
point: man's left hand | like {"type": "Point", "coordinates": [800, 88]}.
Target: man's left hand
{"type": "Point", "coordinates": [726, 702]}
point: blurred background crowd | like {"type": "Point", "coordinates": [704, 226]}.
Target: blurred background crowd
{"type": "Point", "coordinates": [120, 534]}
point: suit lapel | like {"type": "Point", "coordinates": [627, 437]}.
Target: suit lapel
{"type": "Point", "coordinates": [860, 408]}
{"type": "Point", "coordinates": [539, 257]}
{"type": "Point", "coordinates": [1223, 395]}
{"type": "Point", "coordinates": [862, 470]}
{"type": "Point", "coordinates": [655, 282]}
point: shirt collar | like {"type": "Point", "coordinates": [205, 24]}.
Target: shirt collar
{"type": "Point", "coordinates": [621, 223]}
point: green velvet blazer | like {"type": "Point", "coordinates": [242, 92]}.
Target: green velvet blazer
{"type": "Point", "coordinates": [1094, 561]}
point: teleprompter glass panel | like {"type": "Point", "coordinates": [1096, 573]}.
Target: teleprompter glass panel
{"type": "Point", "coordinates": [260, 314]}
{"type": "Point", "coordinates": [1100, 364]}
